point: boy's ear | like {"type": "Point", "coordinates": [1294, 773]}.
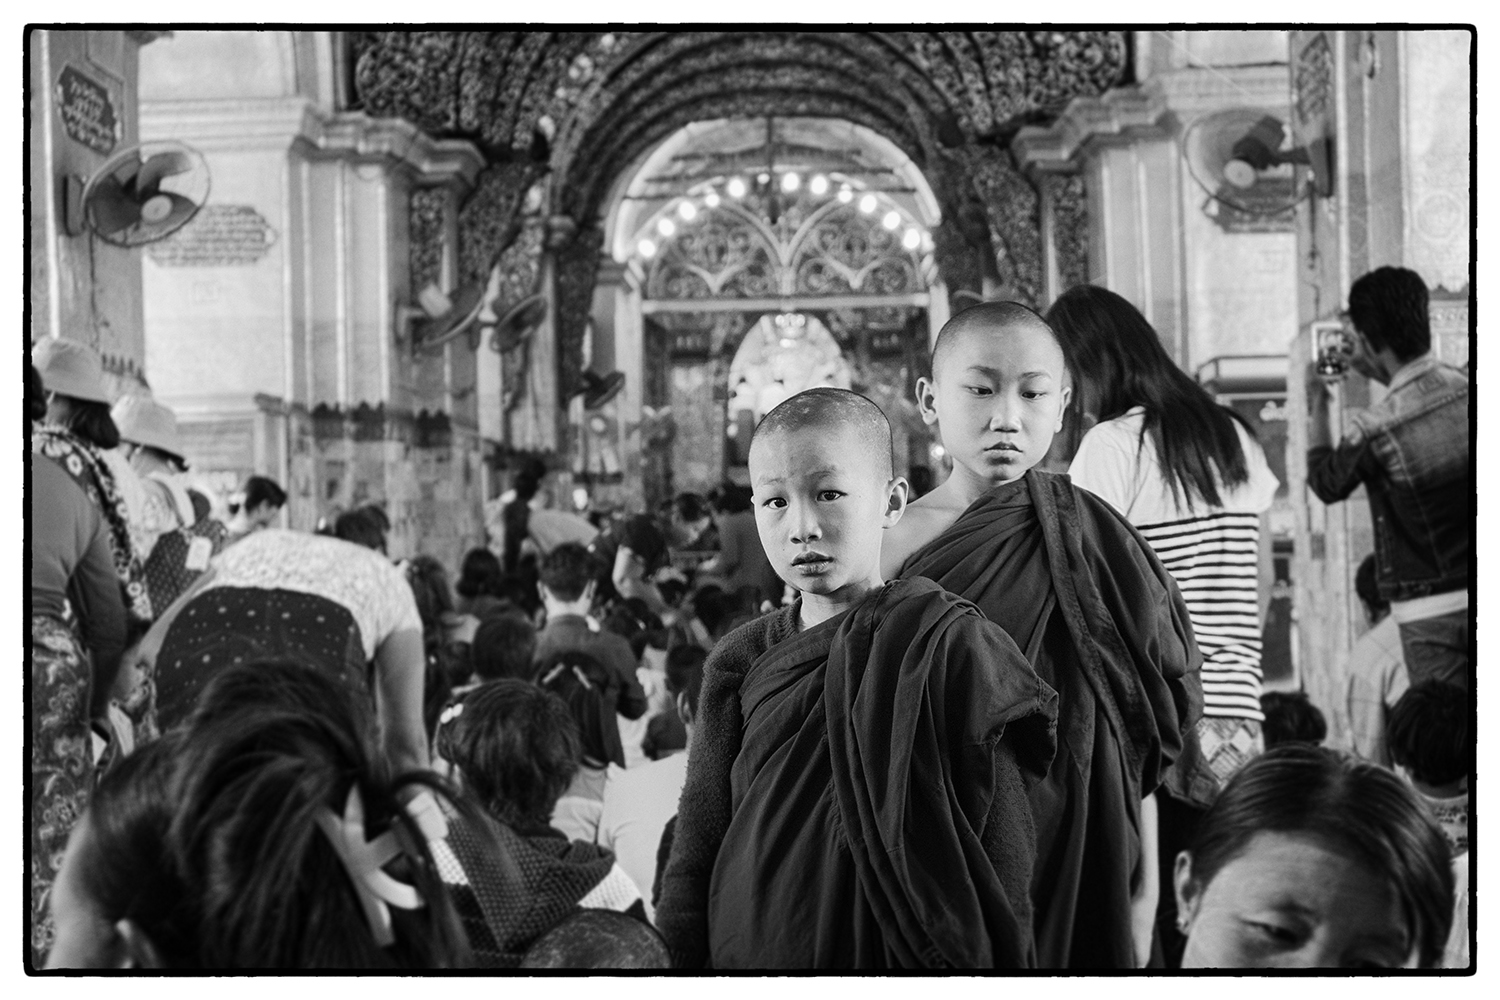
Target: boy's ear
{"type": "Point", "coordinates": [1067, 397]}
{"type": "Point", "coordinates": [684, 710]}
{"type": "Point", "coordinates": [897, 495]}
{"type": "Point", "coordinates": [927, 400]}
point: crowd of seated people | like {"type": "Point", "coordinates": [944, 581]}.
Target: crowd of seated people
{"type": "Point", "coordinates": [809, 723]}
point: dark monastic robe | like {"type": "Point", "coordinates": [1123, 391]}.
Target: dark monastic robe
{"type": "Point", "coordinates": [1102, 622]}
{"type": "Point", "coordinates": [856, 794]}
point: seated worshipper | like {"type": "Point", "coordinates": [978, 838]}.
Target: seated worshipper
{"type": "Point", "coordinates": [741, 567]}
{"type": "Point", "coordinates": [149, 441]}
{"type": "Point", "coordinates": [515, 748]}
{"type": "Point", "coordinates": [629, 554]}
{"type": "Point", "coordinates": [666, 733]}
{"type": "Point", "coordinates": [584, 685]}
{"type": "Point", "coordinates": [279, 594]}
{"type": "Point", "coordinates": [1314, 859]}
{"type": "Point", "coordinates": [264, 833]}
{"type": "Point", "coordinates": [1096, 614]}
{"type": "Point", "coordinates": [568, 578]}
{"type": "Point", "coordinates": [261, 503]}
{"type": "Point", "coordinates": [504, 646]}
{"type": "Point", "coordinates": [856, 791]}
{"type": "Point", "coordinates": [361, 527]}
{"type": "Point", "coordinates": [77, 636]}
{"type": "Point", "coordinates": [598, 939]}
{"type": "Point", "coordinates": [639, 801]}
{"type": "Point", "coordinates": [1291, 718]}
{"type": "Point", "coordinates": [1375, 671]}
{"type": "Point", "coordinates": [1432, 746]}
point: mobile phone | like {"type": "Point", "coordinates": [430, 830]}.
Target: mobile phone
{"type": "Point", "coordinates": [1334, 348]}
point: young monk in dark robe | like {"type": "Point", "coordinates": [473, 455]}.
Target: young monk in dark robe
{"type": "Point", "coordinates": [1094, 611]}
{"type": "Point", "coordinates": [856, 797]}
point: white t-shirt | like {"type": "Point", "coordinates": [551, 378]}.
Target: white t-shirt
{"type": "Point", "coordinates": [1210, 551]}
{"type": "Point", "coordinates": [637, 804]}
{"type": "Point", "coordinates": [362, 580]}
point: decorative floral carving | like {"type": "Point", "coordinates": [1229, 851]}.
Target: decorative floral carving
{"type": "Point", "coordinates": [486, 222]}
{"type": "Point", "coordinates": [428, 230]}
{"type": "Point", "coordinates": [813, 248]}
{"type": "Point", "coordinates": [577, 263]}
{"type": "Point", "coordinates": [1014, 215]}
{"type": "Point", "coordinates": [1070, 228]}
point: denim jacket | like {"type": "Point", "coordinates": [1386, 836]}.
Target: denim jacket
{"type": "Point", "coordinates": [1411, 450]}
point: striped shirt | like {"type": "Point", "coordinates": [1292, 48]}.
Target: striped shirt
{"type": "Point", "coordinates": [1210, 552]}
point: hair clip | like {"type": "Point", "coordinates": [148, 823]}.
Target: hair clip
{"type": "Point", "coordinates": [450, 713]}
{"type": "Point", "coordinates": [363, 859]}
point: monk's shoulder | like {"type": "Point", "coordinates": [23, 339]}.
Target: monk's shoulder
{"type": "Point", "coordinates": [1107, 536]}
{"type": "Point", "coordinates": [918, 527]}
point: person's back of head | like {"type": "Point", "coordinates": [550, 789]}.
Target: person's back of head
{"type": "Point", "coordinates": [359, 527]}
{"type": "Point", "coordinates": [598, 939]}
{"type": "Point", "coordinates": [233, 842]}
{"type": "Point", "coordinates": [1357, 810]}
{"type": "Point", "coordinates": [1388, 306]}
{"type": "Point", "coordinates": [685, 674]}
{"type": "Point", "coordinates": [429, 585]}
{"type": "Point", "coordinates": [567, 571]}
{"type": "Point", "coordinates": [1119, 363]}
{"type": "Point", "coordinates": [633, 620]}
{"type": "Point", "coordinates": [1291, 718]}
{"type": "Point", "coordinates": [261, 492]}
{"type": "Point", "coordinates": [590, 690]}
{"type": "Point", "coordinates": [503, 647]}
{"type": "Point", "coordinates": [516, 748]}
{"type": "Point", "coordinates": [1429, 733]}
{"type": "Point", "coordinates": [480, 574]}
{"type": "Point", "coordinates": [1376, 607]}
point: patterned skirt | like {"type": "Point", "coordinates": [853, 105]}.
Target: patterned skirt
{"type": "Point", "coordinates": [224, 626]}
{"type": "Point", "coordinates": [62, 761]}
{"type": "Point", "coordinates": [1229, 744]}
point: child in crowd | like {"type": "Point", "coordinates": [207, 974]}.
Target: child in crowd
{"type": "Point", "coordinates": [856, 791]}
{"type": "Point", "coordinates": [1432, 743]}
{"type": "Point", "coordinates": [1097, 616]}
{"type": "Point", "coordinates": [1291, 718]}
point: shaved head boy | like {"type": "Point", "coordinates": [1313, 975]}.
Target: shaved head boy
{"type": "Point", "coordinates": [1096, 615]}
{"type": "Point", "coordinates": [856, 793]}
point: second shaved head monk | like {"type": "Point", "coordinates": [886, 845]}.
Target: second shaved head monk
{"type": "Point", "coordinates": [856, 795]}
{"type": "Point", "coordinates": [1091, 608]}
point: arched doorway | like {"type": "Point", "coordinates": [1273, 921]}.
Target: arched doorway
{"type": "Point", "coordinates": [803, 244]}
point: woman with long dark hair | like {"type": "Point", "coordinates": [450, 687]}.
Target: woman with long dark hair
{"type": "Point", "coordinates": [1191, 476]}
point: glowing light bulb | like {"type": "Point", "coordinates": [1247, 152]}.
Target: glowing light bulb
{"type": "Point", "coordinates": [737, 187]}
{"type": "Point", "coordinates": [790, 182]}
{"type": "Point", "coordinates": [845, 194]}
{"type": "Point", "coordinates": [892, 219]}
{"type": "Point", "coordinates": [666, 227]}
{"type": "Point", "coordinates": [867, 204]}
{"type": "Point", "coordinates": [687, 211]}
{"type": "Point", "coordinates": [763, 178]}
{"type": "Point", "coordinates": [647, 248]}
{"type": "Point", "coordinates": [911, 239]}
{"type": "Point", "coordinates": [818, 185]}
{"type": "Point", "coordinates": [711, 199]}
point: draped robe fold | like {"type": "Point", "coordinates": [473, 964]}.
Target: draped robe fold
{"type": "Point", "coordinates": [862, 799]}
{"type": "Point", "coordinates": [1102, 622]}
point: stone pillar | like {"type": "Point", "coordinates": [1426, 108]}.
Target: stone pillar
{"type": "Point", "coordinates": [83, 107]}
{"type": "Point", "coordinates": [274, 314]}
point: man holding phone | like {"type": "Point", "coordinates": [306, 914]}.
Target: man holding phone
{"type": "Point", "coordinates": [1411, 452]}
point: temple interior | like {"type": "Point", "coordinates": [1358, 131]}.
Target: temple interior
{"type": "Point", "coordinates": [415, 262]}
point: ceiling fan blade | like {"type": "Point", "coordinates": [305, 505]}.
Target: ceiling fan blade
{"type": "Point", "coordinates": [160, 166]}
{"type": "Point", "coordinates": [111, 208]}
